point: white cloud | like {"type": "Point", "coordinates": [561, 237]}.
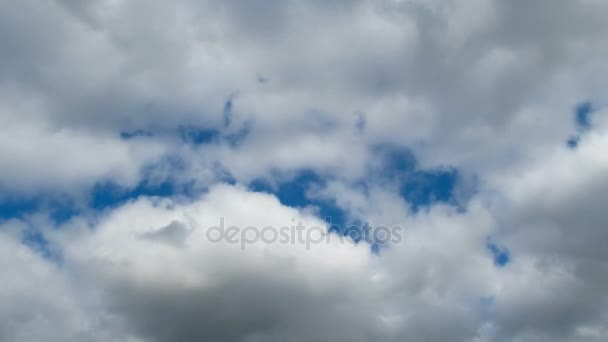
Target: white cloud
{"type": "Point", "coordinates": [38, 302]}
{"type": "Point", "coordinates": [36, 157]}
{"type": "Point", "coordinates": [486, 86]}
{"type": "Point", "coordinates": [277, 291]}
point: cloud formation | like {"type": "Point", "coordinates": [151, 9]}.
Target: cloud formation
{"type": "Point", "coordinates": [128, 128]}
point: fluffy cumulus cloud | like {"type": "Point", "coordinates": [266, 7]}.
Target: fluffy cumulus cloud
{"type": "Point", "coordinates": [225, 170]}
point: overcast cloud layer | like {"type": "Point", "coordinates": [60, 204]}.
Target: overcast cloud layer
{"type": "Point", "coordinates": [128, 128]}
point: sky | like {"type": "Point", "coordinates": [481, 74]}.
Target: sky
{"type": "Point", "coordinates": [473, 133]}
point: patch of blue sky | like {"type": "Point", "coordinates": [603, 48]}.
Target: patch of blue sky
{"type": "Point", "coordinates": [500, 255]}
{"type": "Point", "coordinates": [38, 243]}
{"type": "Point", "coordinates": [197, 135]}
{"type": "Point", "coordinates": [582, 119]}
{"type": "Point", "coordinates": [394, 162]}
{"type": "Point", "coordinates": [294, 193]}
{"type": "Point", "coordinates": [59, 212]}
{"type": "Point", "coordinates": [421, 188]}
{"type": "Point", "coordinates": [573, 141]}
{"type": "Point", "coordinates": [18, 208]}
{"type": "Point", "coordinates": [583, 115]}
{"type": "Point", "coordinates": [105, 194]}
{"type": "Point", "coordinates": [110, 195]}
{"type": "Point", "coordinates": [59, 208]}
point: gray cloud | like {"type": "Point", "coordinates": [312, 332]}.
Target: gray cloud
{"type": "Point", "coordinates": [485, 86]}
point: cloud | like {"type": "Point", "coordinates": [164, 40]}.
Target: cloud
{"type": "Point", "coordinates": [38, 300]}
{"type": "Point", "coordinates": [127, 128]}
{"type": "Point", "coordinates": [423, 75]}
{"type": "Point", "coordinates": [38, 158]}
{"type": "Point", "coordinates": [197, 289]}
{"type": "Point", "coordinates": [554, 221]}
